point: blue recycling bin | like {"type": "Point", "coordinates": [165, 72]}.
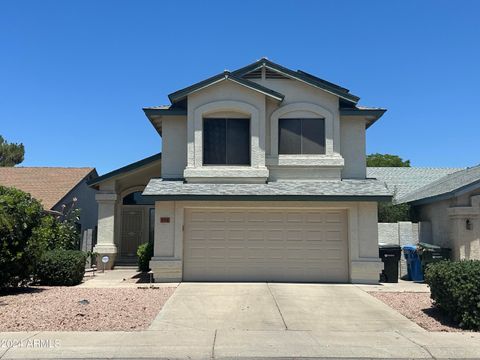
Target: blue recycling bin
{"type": "Point", "coordinates": [414, 264]}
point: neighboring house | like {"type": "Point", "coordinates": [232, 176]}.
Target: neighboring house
{"type": "Point", "coordinates": [404, 180]}
{"type": "Point", "coordinates": [451, 205]}
{"type": "Point", "coordinates": [262, 177]}
{"type": "Point", "coordinates": [56, 187]}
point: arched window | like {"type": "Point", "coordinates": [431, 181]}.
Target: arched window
{"type": "Point", "coordinates": [136, 198]}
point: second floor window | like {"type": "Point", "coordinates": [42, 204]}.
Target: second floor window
{"type": "Point", "coordinates": [226, 141]}
{"type": "Point", "coordinates": [301, 136]}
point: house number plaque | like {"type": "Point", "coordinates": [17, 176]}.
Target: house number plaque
{"type": "Point", "coordinates": [164, 220]}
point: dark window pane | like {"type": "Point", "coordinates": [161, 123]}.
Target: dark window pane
{"type": "Point", "coordinates": [313, 136]}
{"type": "Point", "coordinates": [214, 142]}
{"type": "Point", "coordinates": [289, 136]}
{"type": "Point", "coordinates": [238, 141]}
{"type": "Point", "coordinates": [136, 198]}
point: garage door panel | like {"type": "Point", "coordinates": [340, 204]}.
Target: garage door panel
{"type": "Point", "coordinates": [265, 245]}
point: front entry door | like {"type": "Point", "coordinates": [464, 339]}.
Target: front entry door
{"type": "Point", "coordinates": [132, 235]}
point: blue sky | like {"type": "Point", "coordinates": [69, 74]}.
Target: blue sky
{"type": "Point", "coordinates": [74, 75]}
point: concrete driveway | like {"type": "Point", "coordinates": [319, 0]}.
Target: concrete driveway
{"type": "Point", "coordinates": [269, 306]}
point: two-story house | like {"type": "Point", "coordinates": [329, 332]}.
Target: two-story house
{"type": "Point", "coordinates": [262, 177]}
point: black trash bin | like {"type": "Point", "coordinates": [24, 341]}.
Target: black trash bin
{"type": "Point", "coordinates": [430, 253]}
{"type": "Point", "coordinates": [390, 255]}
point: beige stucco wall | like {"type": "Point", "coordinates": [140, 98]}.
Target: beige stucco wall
{"type": "Point", "coordinates": [226, 96]}
{"type": "Point", "coordinates": [437, 214]}
{"type": "Point", "coordinates": [353, 147]}
{"type": "Point", "coordinates": [174, 146]}
{"type": "Point", "coordinates": [345, 138]}
{"type": "Point", "coordinates": [448, 219]}
{"type": "Point", "coordinates": [364, 263]}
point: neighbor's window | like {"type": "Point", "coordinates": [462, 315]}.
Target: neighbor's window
{"type": "Point", "coordinates": [301, 136]}
{"type": "Point", "coordinates": [226, 141]}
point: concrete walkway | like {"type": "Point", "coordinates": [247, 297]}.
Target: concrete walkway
{"type": "Point", "coordinates": [224, 321]}
{"type": "Point", "coordinates": [118, 278]}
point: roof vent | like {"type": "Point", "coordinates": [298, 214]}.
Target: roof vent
{"type": "Point", "coordinates": [270, 74]}
{"type": "Point", "coordinates": [255, 74]}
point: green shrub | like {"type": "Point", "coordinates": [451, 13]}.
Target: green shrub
{"type": "Point", "coordinates": [144, 253]}
{"type": "Point", "coordinates": [455, 289]}
{"type": "Point", "coordinates": [61, 267]}
{"type": "Point", "coordinates": [20, 214]}
{"type": "Point", "coordinates": [57, 233]}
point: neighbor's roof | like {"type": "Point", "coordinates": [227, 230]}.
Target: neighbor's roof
{"type": "Point", "coordinates": [345, 190]}
{"type": "Point", "coordinates": [404, 180]}
{"type": "Point", "coordinates": [49, 185]}
{"type": "Point", "coordinates": [125, 169]}
{"type": "Point", "coordinates": [447, 187]}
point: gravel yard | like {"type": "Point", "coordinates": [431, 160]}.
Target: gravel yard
{"type": "Point", "coordinates": [81, 309]}
{"type": "Point", "coordinates": [417, 307]}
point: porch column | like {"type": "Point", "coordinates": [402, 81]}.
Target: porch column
{"type": "Point", "coordinates": [106, 229]}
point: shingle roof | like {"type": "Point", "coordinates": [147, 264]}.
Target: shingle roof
{"type": "Point", "coordinates": [281, 190]}
{"type": "Point", "coordinates": [47, 184]}
{"type": "Point", "coordinates": [125, 169]}
{"type": "Point", "coordinates": [446, 187]}
{"type": "Point", "coordinates": [404, 180]}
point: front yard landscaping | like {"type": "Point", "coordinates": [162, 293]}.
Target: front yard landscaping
{"type": "Point", "coordinates": [79, 309]}
{"type": "Point", "coordinates": [418, 307]}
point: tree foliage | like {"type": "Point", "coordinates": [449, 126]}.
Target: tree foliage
{"type": "Point", "coordinates": [392, 213]}
{"type": "Point", "coordinates": [386, 160]}
{"type": "Point", "coordinates": [27, 232]}
{"type": "Point", "coordinates": [11, 154]}
{"type": "Point", "coordinates": [20, 214]}
{"type": "Point", "coordinates": [60, 231]}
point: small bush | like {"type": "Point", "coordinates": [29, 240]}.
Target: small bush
{"type": "Point", "coordinates": [20, 214]}
{"type": "Point", "coordinates": [57, 233]}
{"type": "Point", "coordinates": [61, 267]}
{"type": "Point", "coordinates": [455, 289]}
{"type": "Point", "coordinates": [144, 253]}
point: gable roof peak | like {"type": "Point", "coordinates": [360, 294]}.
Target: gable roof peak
{"type": "Point", "coordinates": [299, 75]}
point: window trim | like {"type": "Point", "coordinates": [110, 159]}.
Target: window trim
{"type": "Point", "coordinates": [249, 144]}
{"type": "Point", "coordinates": [301, 153]}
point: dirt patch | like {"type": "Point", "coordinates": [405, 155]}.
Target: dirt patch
{"type": "Point", "coordinates": [418, 307]}
{"type": "Point", "coordinates": [81, 309]}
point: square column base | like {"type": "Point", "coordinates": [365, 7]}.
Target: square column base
{"type": "Point", "coordinates": [105, 250]}
{"type": "Point", "coordinates": [366, 271]}
{"type": "Point", "coordinates": [166, 269]}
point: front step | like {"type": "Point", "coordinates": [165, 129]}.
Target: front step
{"type": "Point", "coordinates": [125, 267]}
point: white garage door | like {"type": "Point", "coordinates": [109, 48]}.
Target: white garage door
{"type": "Point", "coordinates": [265, 245]}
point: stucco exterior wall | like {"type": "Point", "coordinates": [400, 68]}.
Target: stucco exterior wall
{"type": "Point", "coordinates": [455, 223]}
{"type": "Point", "coordinates": [345, 138]}
{"type": "Point", "coordinates": [364, 263]}
{"type": "Point", "coordinates": [222, 97]}
{"type": "Point", "coordinates": [437, 214]}
{"type": "Point", "coordinates": [174, 147]}
{"type": "Point", "coordinates": [353, 147]}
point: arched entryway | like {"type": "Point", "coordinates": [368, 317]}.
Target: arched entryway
{"type": "Point", "coordinates": [137, 223]}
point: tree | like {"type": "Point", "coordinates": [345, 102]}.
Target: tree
{"type": "Point", "coordinates": [11, 154]}
{"type": "Point", "coordinates": [20, 214]}
{"type": "Point", "coordinates": [386, 160]}
{"type": "Point", "coordinates": [390, 212]}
